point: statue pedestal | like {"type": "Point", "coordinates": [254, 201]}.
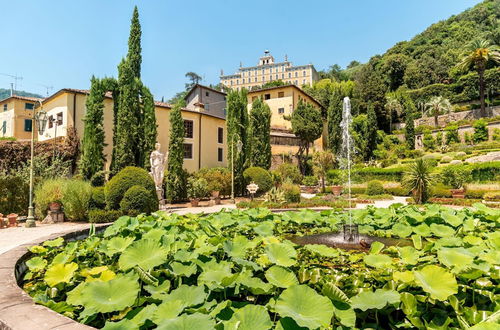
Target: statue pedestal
{"type": "Point", "coordinates": [53, 217]}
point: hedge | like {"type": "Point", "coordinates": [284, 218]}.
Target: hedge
{"type": "Point", "coordinates": [485, 172]}
{"type": "Point", "coordinates": [374, 173]}
{"type": "Point", "coordinates": [14, 193]}
{"type": "Point", "coordinates": [104, 216]}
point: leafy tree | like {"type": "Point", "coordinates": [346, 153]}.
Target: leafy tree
{"type": "Point", "coordinates": [436, 106]}
{"type": "Point", "coordinates": [194, 79]}
{"type": "Point", "coordinates": [307, 125]}
{"type": "Point", "coordinates": [322, 162]}
{"type": "Point", "coordinates": [371, 133]}
{"type": "Point", "coordinates": [429, 141]}
{"type": "Point", "coordinates": [480, 53]}
{"type": "Point", "coordinates": [92, 158]}
{"type": "Point", "coordinates": [394, 67]}
{"type": "Point", "coordinates": [149, 126]}
{"type": "Point", "coordinates": [409, 110]}
{"type": "Point", "coordinates": [237, 125]}
{"type": "Point", "coordinates": [259, 135]}
{"type": "Point", "coordinates": [176, 183]}
{"type": "Point", "coordinates": [393, 106]}
{"type": "Point", "coordinates": [480, 131]}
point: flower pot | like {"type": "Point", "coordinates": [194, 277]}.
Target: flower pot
{"type": "Point", "coordinates": [337, 190]}
{"type": "Point", "coordinates": [310, 189]}
{"type": "Point", "coordinates": [194, 202]}
{"type": "Point", "coordinates": [215, 193]}
{"type": "Point", "coordinates": [217, 200]}
{"type": "Point", "coordinates": [54, 206]}
{"type": "Point", "coordinates": [458, 193]}
{"type": "Point", "coordinates": [12, 218]}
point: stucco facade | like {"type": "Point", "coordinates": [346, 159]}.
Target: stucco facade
{"type": "Point", "coordinates": [206, 99]}
{"type": "Point", "coordinates": [16, 113]}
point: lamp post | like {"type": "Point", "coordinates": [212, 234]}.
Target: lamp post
{"type": "Point", "coordinates": [38, 120]}
{"type": "Point", "coordinates": [239, 147]}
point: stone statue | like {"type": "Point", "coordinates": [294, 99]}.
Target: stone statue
{"type": "Point", "coordinates": [158, 161]}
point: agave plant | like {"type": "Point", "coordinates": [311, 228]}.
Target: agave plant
{"type": "Point", "coordinates": [275, 195]}
{"type": "Point", "coordinates": [418, 178]}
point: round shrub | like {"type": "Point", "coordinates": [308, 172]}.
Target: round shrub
{"type": "Point", "coordinates": [138, 200]}
{"type": "Point", "coordinates": [290, 171]}
{"type": "Point", "coordinates": [115, 189]}
{"type": "Point", "coordinates": [456, 176]}
{"type": "Point", "coordinates": [455, 162]}
{"type": "Point", "coordinates": [218, 179]}
{"type": "Point", "coordinates": [260, 176]}
{"type": "Point", "coordinates": [76, 199]}
{"type": "Point", "coordinates": [98, 200]}
{"type": "Point", "coordinates": [98, 179]}
{"type": "Point", "coordinates": [446, 159]}
{"type": "Point", "coordinates": [291, 192]}
{"type": "Point", "coordinates": [374, 187]}
{"type": "Point", "coordinates": [48, 192]}
{"type": "Point", "coordinates": [460, 154]}
{"type": "Point", "coordinates": [310, 181]}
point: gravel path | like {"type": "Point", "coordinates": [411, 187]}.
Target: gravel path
{"type": "Point", "coordinates": [490, 156]}
{"type": "Point", "coordinates": [386, 203]}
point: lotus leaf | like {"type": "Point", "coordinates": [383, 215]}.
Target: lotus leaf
{"type": "Point", "coordinates": [160, 291]}
{"type": "Point", "coordinates": [264, 229]}
{"type": "Point", "coordinates": [452, 219]}
{"type": "Point", "coordinates": [250, 317]}
{"type": "Point", "coordinates": [376, 247]}
{"type": "Point", "coordinates": [36, 264]}
{"type": "Point", "coordinates": [436, 281]}
{"type": "Point", "coordinates": [54, 243]}
{"type": "Point", "coordinates": [409, 255]}
{"type": "Point", "coordinates": [442, 230]}
{"type": "Point", "coordinates": [189, 295]}
{"type": "Point", "coordinates": [188, 322]}
{"type": "Point", "coordinates": [375, 300]}
{"type": "Point", "coordinates": [167, 310]}
{"type": "Point", "coordinates": [378, 260]}
{"type": "Point", "coordinates": [60, 273]}
{"type": "Point", "coordinates": [406, 276]}
{"type": "Point", "coordinates": [237, 248]}
{"type": "Point", "coordinates": [180, 269]}
{"type": "Point", "coordinates": [146, 254]}
{"type": "Point", "coordinates": [281, 277]}
{"type": "Point", "coordinates": [282, 254]}
{"type": "Point", "coordinates": [423, 230]}
{"type": "Point", "coordinates": [124, 324]}
{"type": "Point", "coordinates": [456, 258]}
{"type": "Point", "coordinates": [254, 284]}
{"type": "Point", "coordinates": [305, 306]}
{"type": "Point", "coordinates": [401, 230]}
{"type": "Point", "coordinates": [118, 245]}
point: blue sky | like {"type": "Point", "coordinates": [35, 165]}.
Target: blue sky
{"type": "Point", "coordinates": [63, 43]}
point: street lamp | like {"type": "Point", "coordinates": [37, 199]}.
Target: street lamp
{"type": "Point", "coordinates": [39, 120]}
{"type": "Point", "coordinates": [239, 147]}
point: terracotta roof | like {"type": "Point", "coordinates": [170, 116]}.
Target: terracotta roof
{"type": "Point", "coordinates": [285, 86]}
{"type": "Point", "coordinates": [24, 98]}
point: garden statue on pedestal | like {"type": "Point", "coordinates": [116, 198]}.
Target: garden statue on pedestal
{"type": "Point", "coordinates": [158, 162]}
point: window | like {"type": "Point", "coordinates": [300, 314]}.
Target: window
{"type": "Point", "coordinates": [237, 81]}
{"type": "Point", "coordinates": [188, 129]}
{"type": "Point", "coordinates": [5, 107]}
{"type": "Point", "coordinates": [243, 80]}
{"type": "Point", "coordinates": [281, 111]}
{"type": "Point", "coordinates": [282, 76]}
{"type": "Point", "coordinates": [289, 75]}
{"type": "Point", "coordinates": [304, 73]}
{"type": "Point", "coordinates": [296, 74]}
{"type": "Point", "coordinates": [267, 96]}
{"type": "Point", "coordinates": [51, 121]}
{"type": "Point", "coordinates": [29, 106]}
{"type": "Point", "coordinates": [263, 78]}
{"type": "Point", "coordinates": [207, 93]}
{"type": "Point", "coordinates": [271, 70]}
{"type": "Point", "coordinates": [188, 151]}
{"type": "Point", "coordinates": [231, 83]}
{"type": "Point", "coordinates": [296, 82]}
{"type": "Point", "coordinates": [281, 94]}
{"type": "Point", "coordinates": [263, 71]}
{"type": "Point", "coordinates": [27, 125]}
{"type": "Point", "coordinates": [277, 77]}
{"type": "Point", "coordinates": [59, 119]}
{"type": "Point", "coordinates": [220, 154]}
{"type": "Point", "coordinates": [255, 79]}
{"type": "Point", "coordinates": [220, 135]}
{"type": "Point", "coordinates": [4, 127]}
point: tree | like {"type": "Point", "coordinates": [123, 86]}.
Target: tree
{"type": "Point", "coordinates": [149, 126]}
{"type": "Point", "coordinates": [259, 139]}
{"type": "Point", "coordinates": [409, 110]}
{"type": "Point", "coordinates": [92, 158]}
{"type": "Point", "coordinates": [480, 53]}
{"type": "Point", "coordinates": [237, 125]}
{"type": "Point", "coordinates": [307, 125]}
{"type": "Point", "coordinates": [371, 133]}
{"type": "Point", "coordinates": [322, 162]}
{"type": "Point", "coordinates": [176, 183]}
{"type": "Point", "coordinates": [194, 79]}
{"type": "Point", "coordinates": [134, 56]}
{"type": "Point", "coordinates": [436, 106]}
{"type": "Point", "coordinates": [393, 106]}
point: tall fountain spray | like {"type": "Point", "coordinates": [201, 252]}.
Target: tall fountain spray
{"type": "Point", "coordinates": [346, 152]}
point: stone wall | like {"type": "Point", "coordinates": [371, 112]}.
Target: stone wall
{"type": "Point", "coordinates": [443, 120]}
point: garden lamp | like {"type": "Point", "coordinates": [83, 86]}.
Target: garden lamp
{"type": "Point", "coordinates": [41, 121]}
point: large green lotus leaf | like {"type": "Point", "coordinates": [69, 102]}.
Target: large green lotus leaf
{"type": "Point", "coordinates": [254, 284]}
{"type": "Point", "coordinates": [409, 255]}
{"type": "Point", "coordinates": [74, 296]}
{"type": "Point", "coordinates": [145, 253]}
{"type": "Point", "coordinates": [442, 230]}
{"type": "Point", "coordinates": [114, 295]}
{"type": "Point", "coordinates": [36, 264]}
{"type": "Point", "coordinates": [406, 276]}
{"type": "Point", "coordinates": [473, 240]}
{"type": "Point", "coordinates": [168, 310]}
{"type": "Point", "coordinates": [124, 324]}
{"type": "Point", "coordinates": [494, 240]}
{"type": "Point", "coordinates": [54, 243]}
{"type": "Point", "coordinates": [146, 313]}
{"type": "Point", "coordinates": [194, 321]}
{"type": "Point", "coordinates": [485, 326]}
{"type": "Point", "coordinates": [189, 295]}
{"type": "Point", "coordinates": [436, 281]}
{"type": "Point", "coordinates": [238, 247]}
{"type": "Point", "coordinates": [334, 293]}
{"type": "Point", "coordinates": [60, 273]}
{"type": "Point", "coordinates": [215, 273]}
{"type": "Point", "coordinates": [423, 230]}
{"type": "Point", "coordinates": [181, 269]}
{"type": "Point", "coordinates": [347, 317]}
{"type": "Point", "coordinates": [456, 258]}
{"type": "Point", "coordinates": [322, 250]}
{"type": "Point", "coordinates": [155, 234]}
{"type": "Point", "coordinates": [375, 300]}
{"type": "Point", "coordinates": [452, 219]}
{"type": "Point", "coordinates": [282, 254]}
{"type": "Point", "coordinates": [159, 291]}
{"type": "Point", "coordinates": [416, 216]}
{"type": "Point", "coordinates": [222, 219]}
{"type": "Point", "coordinates": [264, 229]}
{"type": "Point", "coordinates": [185, 255]}
{"type": "Point", "coordinates": [304, 305]}
{"type": "Point", "coordinates": [281, 277]}
{"type": "Point", "coordinates": [62, 258]}
{"type": "Point", "coordinates": [250, 317]}
{"type": "Point", "coordinates": [378, 260]}
{"type": "Point", "coordinates": [376, 247]}
{"type": "Point", "coordinates": [118, 244]}
{"type": "Point", "coordinates": [401, 230]}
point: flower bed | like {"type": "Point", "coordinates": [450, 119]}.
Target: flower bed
{"type": "Point", "coordinates": [238, 270]}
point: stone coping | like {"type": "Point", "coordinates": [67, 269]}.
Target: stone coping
{"type": "Point", "coordinates": [18, 311]}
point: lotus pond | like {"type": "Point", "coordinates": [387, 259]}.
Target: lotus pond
{"type": "Point", "coordinates": [237, 270]}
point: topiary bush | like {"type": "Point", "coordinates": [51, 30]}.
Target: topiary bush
{"type": "Point", "coordinates": [76, 196]}
{"type": "Point", "coordinates": [290, 171]}
{"type": "Point", "coordinates": [446, 159]}
{"type": "Point", "coordinates": [104, 216]}
{"type": "Point", "coordinates": [98, 199]}
{"type": "Point", "coordinates": [291, 192]}
{"type": "Point", "coordinates": [116, 188]}
{"type": "Point", "coordinates": [260, 176]}
{"type": "Point", "coordinates": [374, 187]}
{"type": "Point", "coordinates": [138, 200]}
{"type": "Point", "coordinates": [98, 179]}
{"type": "Point", "coordinates": [480, 131]}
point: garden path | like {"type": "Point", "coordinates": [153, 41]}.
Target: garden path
{"type": "Point", "coordinates": [385, 203]}
{"type": "Point", "coordinates": [490, 156]}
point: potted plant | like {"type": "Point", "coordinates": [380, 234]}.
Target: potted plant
{"type": "Point", "coordinates": [197, 188]}
{"type": "Point", "coordinates": [310, 183]}
{"type": "Point", "coordinates": [456, 176]}
{"type": "Point", "coordinates": [336, 182]}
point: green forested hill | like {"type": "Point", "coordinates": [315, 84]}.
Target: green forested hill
{"type": "Point", "coordinates": [4, 93]}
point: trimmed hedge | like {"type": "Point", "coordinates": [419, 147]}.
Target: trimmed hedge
{"type": "Point", "coordinates": [374, 187]}
{"type": "Point", "coordinates": [104, 216]}
{"type": "Point", "coordinates": [138, 200]}
{"type": "Point", "coordinates": [260, 176]}
{"type": "Point", "coordinates": [374, 173]}
{"type": "Point", "coordinates": [130, 176]}
{"type": "Point", "coordinates": [485, 172]}
{"type": "Point", "coordinates": [98, 200]}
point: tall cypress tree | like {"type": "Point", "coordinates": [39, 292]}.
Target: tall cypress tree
{"type": "Point", "coordinates": [149, 126]}
{"type": "Point", "coordinates": [92, 159]}
{"type": "Point", "coordinates": [134, 45]}
{"type": "Point", "coordinates": [410, 109]}
{"type": "Point", "coordinates": [259, 139]}
{"type": "Point", "coordinates": [176, 183]}
{"type": "Point", "coordinates": [237, 125]}
{"type": "Point", "coordinates": [334, 117]}
{"type": "Point", "coordinates": [371, 131]}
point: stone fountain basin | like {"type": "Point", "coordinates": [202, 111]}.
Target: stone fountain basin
{"type": "Point", "coordinates": [336, 240]}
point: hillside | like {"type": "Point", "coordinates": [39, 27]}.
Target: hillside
{"type": "Point", "coordinates": [4, 93]}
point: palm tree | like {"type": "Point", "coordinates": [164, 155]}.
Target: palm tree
{"type": "Point", "coordinates": [391, 105]}
{"type": "Point", "coordinates": [480, 53]}
{"type": "Point", "coordinates": [436, 106]}
{"type": "Point", "coordinates": [418, 178]}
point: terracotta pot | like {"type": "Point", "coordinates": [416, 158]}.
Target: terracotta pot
{"type": "Point", "coordinates": [194, 202]}
{"type": "Point", "coordinates": [215, 194]}
{"type": "Point", "coordinates": [55, 206]}
{"type": "Point", "coordinates": [310, 190]}
{"type": "Point", "coordinates": [2, 224]}
{"type": "Point", "coordinates": [217, 200]}
{"type": "Point", "coordinates": [12, 218]}
{"type": "Point", "coordinates": [458, 193]}
{"type": "Point", "coordinates": [337, 190]}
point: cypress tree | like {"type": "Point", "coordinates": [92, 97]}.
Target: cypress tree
{"type": "Point", "coordinates": [259, 139]}
{"type": "Point", "coordinates": [149, 126]}
{"type": "Point", "coordinates": [237, 124]}
{"type": "Point", "coordinates": [410, 109]}
{"type": "Point", "coordinates": [371, 131]}
{"type": "Point", "coordinates": [176, 185]}
{"type": "Point", "coordinates": [134, 45]}
{"type": "Point", "coordinates": [334, 117]}
{"type": "Point", "coordinates": [92, 159]}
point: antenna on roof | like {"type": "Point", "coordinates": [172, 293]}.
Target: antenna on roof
{"type": "Point", "coordinates": [48, 88]}
{"type": "Point", "coordinates": [16, 78]}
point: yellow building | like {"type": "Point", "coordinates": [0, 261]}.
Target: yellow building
{"type": "Point", "coordinates": [268, 70]}
{"type": "Point", "coordinates": [16, 113]}
{"type": "Point", "coordinates": [282, 100]}
{"type": "Point", "coordinates": [205, 140]}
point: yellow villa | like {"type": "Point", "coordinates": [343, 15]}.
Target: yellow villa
{"type": "Point", "coordinates": [16, 113]}
{"type": "Point", "coordinates": [204, 144]}
{"type": "Point", "coordinates": [282, 100]}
